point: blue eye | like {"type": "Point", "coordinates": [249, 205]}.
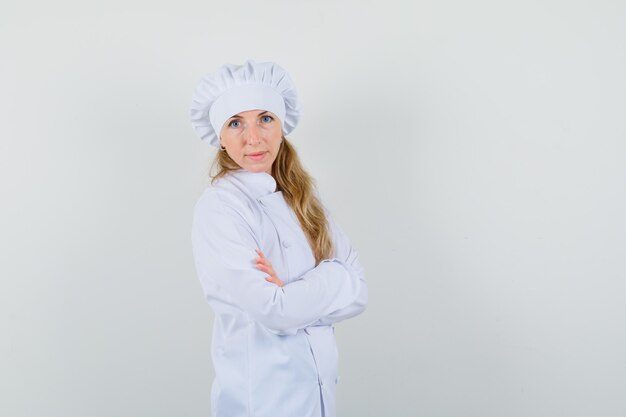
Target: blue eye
{"type": "Point", "coordinates": [234, 123]}
{"type": "Point", "coordinates": [267, 119]}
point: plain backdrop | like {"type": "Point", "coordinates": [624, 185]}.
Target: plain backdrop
{"type": "Point", "coordinates": [474, 152]}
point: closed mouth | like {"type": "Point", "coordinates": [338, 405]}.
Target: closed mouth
{"type": "Point", "coordinates": [257, 156]}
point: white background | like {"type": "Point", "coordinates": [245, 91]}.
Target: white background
{"type": "Point", "coordinates": [474, 152]}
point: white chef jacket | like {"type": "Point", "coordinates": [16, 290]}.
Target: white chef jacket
{"type": "Point", "coordinates": [273, 348]}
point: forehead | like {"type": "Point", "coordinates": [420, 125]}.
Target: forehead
{"type": "Point", "coordinates": [252, 113]}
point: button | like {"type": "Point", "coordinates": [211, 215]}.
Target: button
{"type": "Point", "coordinates": [321, 383]}
{"type": "Point", "coordinates": [286, 244]}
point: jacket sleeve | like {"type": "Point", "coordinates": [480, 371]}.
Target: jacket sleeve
{"type": "Point", "coordinates": [224, 251]}
{"type": "Point", "coordinates": [345, 253]}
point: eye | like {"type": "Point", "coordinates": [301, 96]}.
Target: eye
{"type": "Point", "coordinates": [267, 119]}
{"type": "Point", "coordinates": [234, 123]}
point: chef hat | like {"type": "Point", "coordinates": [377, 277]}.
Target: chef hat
{"type": "Point", "coordinates": [236, 88]}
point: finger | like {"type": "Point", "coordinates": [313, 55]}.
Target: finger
{"type": "Point", "coordinates": [263, 263]}
{"type": "Point", "coordinates": [275, 281]}
{"type": "Point", "coordinates": [258, 251]}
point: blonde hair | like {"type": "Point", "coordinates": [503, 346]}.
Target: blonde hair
{"type": "Point", "coordinates": [298, 189]}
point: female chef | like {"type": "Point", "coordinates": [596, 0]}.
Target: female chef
{"type": "Point", "coordinates": [275, 268]}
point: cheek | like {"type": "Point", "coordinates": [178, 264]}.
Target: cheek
{"type": "Point", "coordinates": [233, 150]}
{"type": "Point", "coordinates": [276, 148]}
{"type": "Point", "coordinates": [230, 142]}
{"type": "Point", "coordinates": [277, 140]}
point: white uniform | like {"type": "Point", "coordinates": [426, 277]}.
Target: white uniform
{"type": "Point", "coordinates": [273, 348]}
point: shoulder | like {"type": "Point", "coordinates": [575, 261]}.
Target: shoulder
{"type": "Point", "coordinates": [224, 199]}
{"type": "Point", "coordinates": [223, 192]}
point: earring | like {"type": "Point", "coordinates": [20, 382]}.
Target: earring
{"type": "Point", "coordinates": [222, 148]}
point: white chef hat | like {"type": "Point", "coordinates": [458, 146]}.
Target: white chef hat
{"type": "Point", "coordinates": [236, 88]}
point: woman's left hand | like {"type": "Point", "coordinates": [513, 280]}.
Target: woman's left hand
{"type": "Point", "coordinates": [264, 265]}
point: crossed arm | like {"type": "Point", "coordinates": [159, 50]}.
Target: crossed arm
{"type": "Point", "coordinates": [224, 253]}
{"type": "Point", "coordinates": [356, 308]}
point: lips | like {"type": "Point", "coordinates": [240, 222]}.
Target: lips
{"type": "Point", "coordinates": [256, 155]}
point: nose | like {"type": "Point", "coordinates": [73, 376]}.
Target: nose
{"type": "Point", "coordinates": [253, 134]}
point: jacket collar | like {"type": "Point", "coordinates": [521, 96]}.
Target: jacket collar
{"type": "Point", "coordinates": [258, 184]}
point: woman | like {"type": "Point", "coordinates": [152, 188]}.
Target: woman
{"type": "Point", "coordinates": [276, 270]}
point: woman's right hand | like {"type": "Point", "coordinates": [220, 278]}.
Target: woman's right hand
{"type": "Point", "coordinates": [264, 265]}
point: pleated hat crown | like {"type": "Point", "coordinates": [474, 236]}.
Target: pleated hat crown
{"type": "Point", "coordinates": [236, 88]}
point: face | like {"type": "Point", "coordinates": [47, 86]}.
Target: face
{"type": "Point", "coordinates": [252, 139]}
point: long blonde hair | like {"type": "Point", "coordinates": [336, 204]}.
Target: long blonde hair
{"type": "Point", "coordinates": [298, 188]}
